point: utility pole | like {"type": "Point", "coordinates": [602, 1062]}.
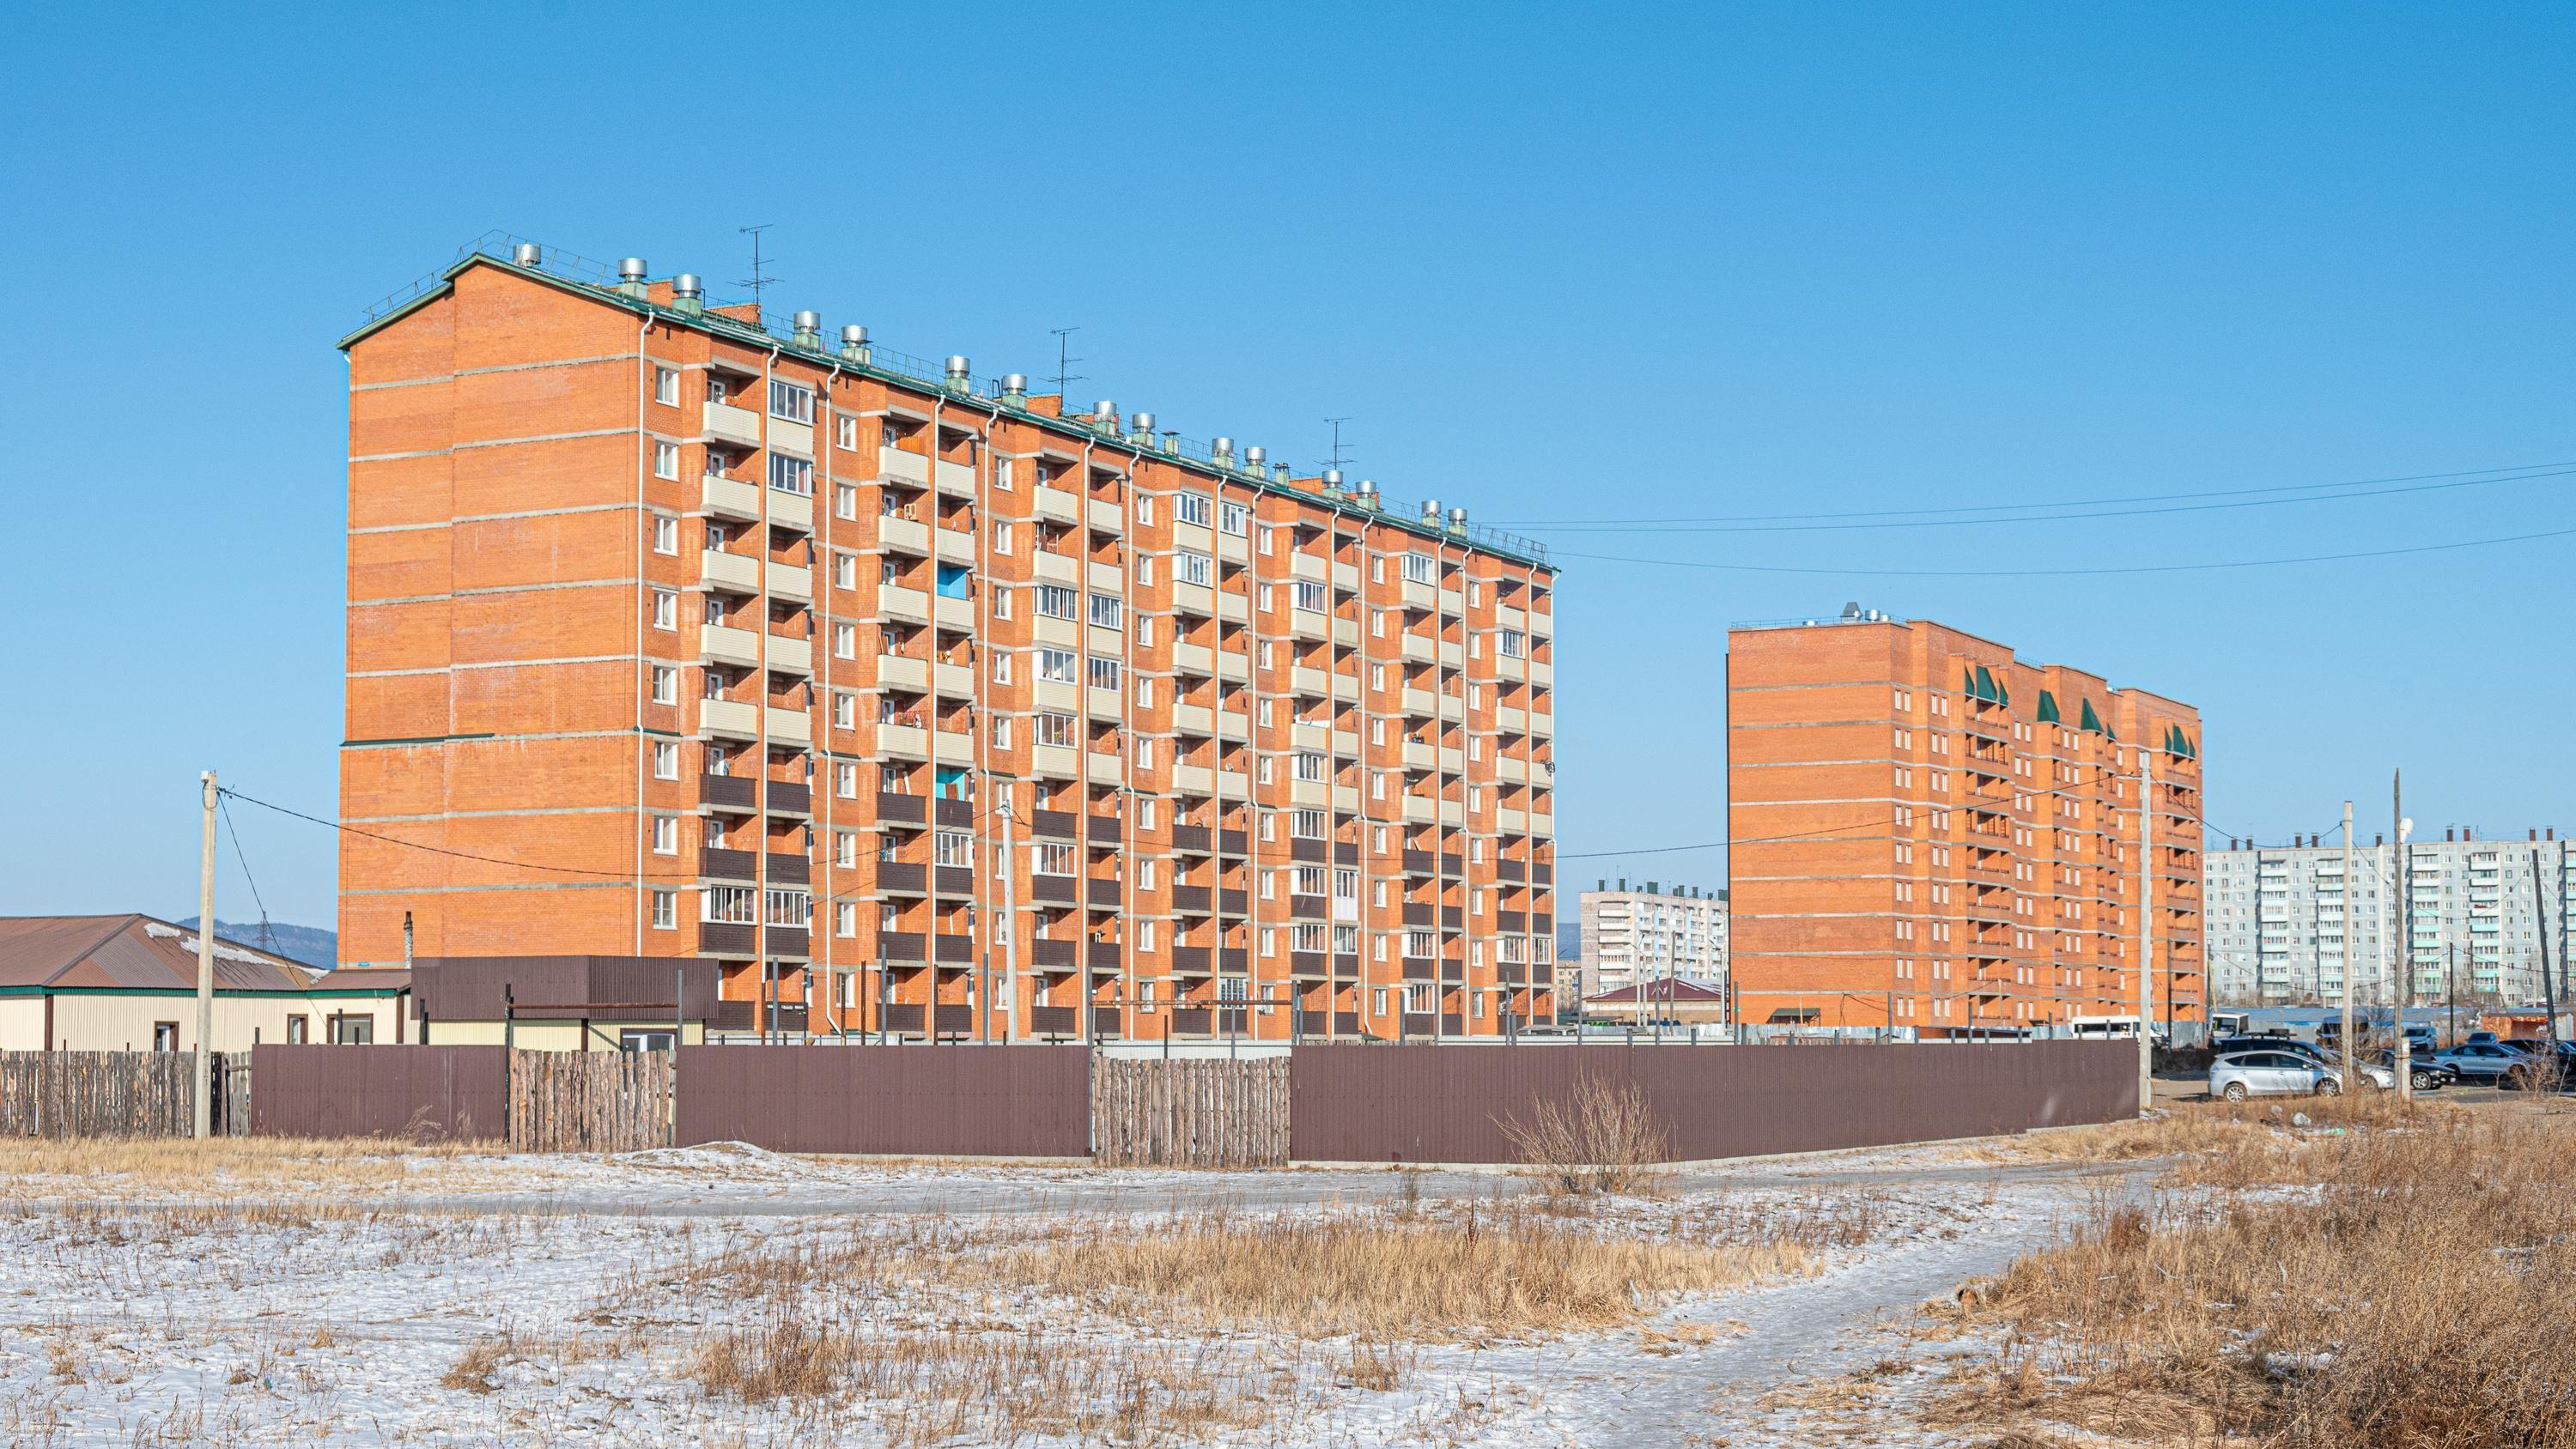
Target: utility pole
{"type": "Point", "coordinates": [2451, 986]}
{"type": "Point", "coordinates": [2406, 938]}
{"type": "Point", "coordinates": [2351, 1055]}
{"type": "Point", "coordinates": [2548, 993]}
{"type": "Point", "coordinates": [1010, 924]}
{"type": "Point", "coordinates": [2146, 930]}
{"type": "Point", "coordinates": [206, 960]}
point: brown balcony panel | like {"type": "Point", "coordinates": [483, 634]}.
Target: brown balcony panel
{"type": "Point", "coordinates": [1193, 899]}
{"type": "Point", "coordinates": [727, 864]}
{"type": "Point", "coordinates": [729, 792]}
{"type": "Point", "coordinates": [1053, 1020]}
{"type": "Point", "coordinates": [789, 941]}
{"type": "Point", "coordinates": [1420, 862]}
{"type": "Point", "coordinates": [1417, 1023]}
{"type": "Point", "coordinates": [1062, 824]}
{"type": "Point", "coordinates": [1512, 921]}
{"type": "Point", "coordinates": [1190, 1020]}
{"type": "Point", "coordinates": [1453, 918]}
{"type": "Point", "coordinates": [1452, 1024]}
{"type": "Point", "coordinates": [901, 1016]}
{"type": "Point", "coordinates": [1419, 968]}
{"type": "Point", "coordinates": [1053, 889]}
{"type": "Point", "coordinates": [954, 812]}
{"type": "Point", "coordinates": [1346, 963]}
{"type": "Point", "coordinates": [1543, 875]}
{"type": "Point", "coordinates": [789, 869]}
{"type": "Point", "coordinates": [952, 880]}
{"type": "Point", "coordinates": [1105, 1025]}
{"type": "Point", "coordinates": [793, 799]}
{"type": "Point", "coordinates": [1101, 955]}
{"type": "Point", "coordinates": [722, 938]}
{"type": "Point", "coordinates": [1190, 958]}
{"type": "Point", "coordinates": [1306, 963]}
{"type": "Point", "coordinates": [731, 1016]}
{"type": "Point", "coordinates": [1511, 973]}
{"type": "Point", "coordinates": [1417, 914]}
{"type": "Point", "coordinates": [903, 877]}
{"type": "Point", "coordinates": [1452, 863]}
{"type": "Point", "coordinates": [1542, 924]}
{"type": "Point", "coordinates": [1511, 870]}
{"type": "Point", "coordinates": [901, 809]}
{"type": "Point", "coordinates": [1232, 902]}
{"type": "Point", "coordinates": [1195, 839]}
{"type": "Point", "coordinates": [1346, 1023]}
{"type": "Point", "coordinates": [954, 1019]}
{"type": "Point", "coordinates": [1306, 908]}
{"type": "Point", "coordinates": [1233, 842]}
{"type": "Point", "coordinates": [1232, 958]}
{"type": "Point", "coordinates": [1105, 893]}
{"type": "Point", "coordinates": [1057, 954]}
{"type": "Point", "coordinates": [1346, 852]}
{"type": "Point", "coordinates": [954, 950]}
{"type": "Point", "coordinates": [1304, 851]}
{"type": "Point", "coordinates": [900, 946]}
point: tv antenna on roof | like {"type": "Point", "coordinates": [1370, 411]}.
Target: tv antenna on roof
{"type": "Point", "coordinates": [759, 277]}
{"type": "Point", "coordinates": [1064, 360]}
{"type": "Point", "coordinates": [1339, 457]}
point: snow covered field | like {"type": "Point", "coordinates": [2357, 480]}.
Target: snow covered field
{"type": "Point", "coordinates": [725, 1296]}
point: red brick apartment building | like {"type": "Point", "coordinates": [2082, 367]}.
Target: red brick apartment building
{"type": "Point", "coordinates": [1932, 834]}
{"type": "Point", "coordinates": [678, 634]}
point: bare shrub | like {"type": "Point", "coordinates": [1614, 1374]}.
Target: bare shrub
{"type": "Point", "coordinates": [474, 1368]}
{"type": "Point", "coordinates": [1601, 1138]}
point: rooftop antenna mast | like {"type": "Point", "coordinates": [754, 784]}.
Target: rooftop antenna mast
{"type": "Point", "coordinates": [759, 278]}
{"type": "Point", "coordinates": [1064, 360]}
{"type": "Point", "coordinates": [1339, 457]}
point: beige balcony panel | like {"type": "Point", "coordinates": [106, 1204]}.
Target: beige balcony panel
{"type": "Point", "coordinates": [1452, 760]}
{"type": "Point", "coordinates": [727, 423]}
{"type": "Point", "coordinates": [1058, 506]}
{"type": "Point", "coordinates": [1233, 548]}
{"type": "Point", "coordinates": [956, 545]}
{"type": "Point", "coordinates": [1106, 578]}
{"type": "Point", "coordinates": [1233, 724]}
{"type": "Point", "coordinates": [1420, 807]}
{"type": "Point", "coordinates": [1062, 633]}
{"type": "Point", "coordinates": [1452, 602]}
{"type": "Point", "coordinates": [1419, 595]}
{"type": "Point", "coordinates": [1194, 537]}
{"type": "Point", "coordinates": [729, 646]}
{"type": "Point", "coordinates": [1196, 719]}
{"type": "Point", "coordinates": [1420, 755]}
{"type": "Point", "coordinates": [1420, 701]}
{"type": "Point", "coordinates": [1346, 576]}
{"type": "Point", "coordinates": [787, 581]}
{"type": "Point", "coordinates": [954, 613]}
{"type": "Point", "coordinates": [1107, 643]}
{"type": "Point", "coordinates": [1417, 647]}
{"type": "Point", "coordinates": [1510, 720]}
{"type": "Point", "coordinates": [1193, 659]}
{"type": "Point", "coordinates": [1346, 799]}
{"type": "Point", "coordinates": [729, 571]}
{"type": "Point", "coordinates": [1346, 742]}
{"type": "Point", "coordinates": [1510, 821]}
{"type": "Point", "coordinates": [1105, 516]}
{"type": "Point", "coordinates": [1307, 566]}
{"type": "Point", "coordinates": [797, 438]}
{"type": "Point", "coordinates": [1453, 812]}
{"type": "Point", "coordinates": [954, 680]}
{"type": "Point", "coordinates": [1055, 568]}
{"type": "Point", "coordinates": [1453, 656]}
{"type": "Point", "coordinates": [1308, 624]}
{"type": "Point", "coordinates": [730, 497]}
{"type": "Point", "coordinates": [1193, 780]}
{"type": "Point", "coordinates": [1231, 606]}
{"type": "Point", "coordinates": [1452, 707]}
{"type": "Point", "coordinates": [1193, 599]}
{"type": "Point", "coordinates": [1542, 822]}
{"type": "Point", "coordinates": [791, 656]}
{"type": "Point", "coordinates": [909, 741]}
{"type": "Point", "coordinates": [954, 746]}
{"type": "Point", "coordinates": [1346, 686]}
{"type": "Point", "coordinates": [1511, 768]}
{"type": "Point", "coordinates": [1233, 785]}
{"type": "Point", "coordinates": [1055, 762]}
{"type": "Point", "coordinates": [1309, 792]}
{"type": "Point", "coordinates": [1510, 618]}
{"type": "Point", "coordinates": [909, 467]}
{"type": "Point", "coordinates": [1103, 703]}
{"type": "Point", "coordinates": [897, 602]}
{"type": "Point", "coordinates": [729, 718]}
{"type": "Point", "coordinates": [1058, 698]}
{"type": "Point", "coordinates": [908, 535]}
{"type": "Point", "coordinates": [1233, 666]}
{"type": "Point", "coordinates": [1307, 680]}
{"type": "Point", "coordinates": [1346, 633]}
{"type": "Point", "coordinates": [1311, 736]}
{"type": "Point", "coordinates": [1100, 768]}
{"type": "Point", "coordinates": [790, 727]}
{"type": "Point", "coordinates": [898, 671]}
{"type": "Point", "coordinates": [1542, 675]}
{"type": "Point", "coordinates": [957, 478]}
{"type": "Point", "coordinates": [1543, 725]}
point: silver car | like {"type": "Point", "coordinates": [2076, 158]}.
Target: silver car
{"type": "Point", "coordinates": [2281, 1074]}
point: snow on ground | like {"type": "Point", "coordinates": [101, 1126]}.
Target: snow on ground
{"type": "Point", "coordinates": [299, 1310]}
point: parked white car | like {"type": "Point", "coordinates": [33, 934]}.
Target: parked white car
{"type": "Point", "coordinates": [2282, 1074]}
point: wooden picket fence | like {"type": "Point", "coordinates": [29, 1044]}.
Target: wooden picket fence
{"type": "Point", "coordinates": [1213, 1112]}
{"type": "Point", "coordinates": [589, 1101]}
{"type": "Point", "coordinates": [116, 1094]}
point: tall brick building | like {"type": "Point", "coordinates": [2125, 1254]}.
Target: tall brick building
{"type": "Point", "coordinates": [675, 634]}
{"type": "Point", "coordinates": [1932, 834]}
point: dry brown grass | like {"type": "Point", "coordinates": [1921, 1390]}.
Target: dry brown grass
{"type": "Point", "coordinates": [1602, 1138]}
{"type": "Point", "coordinates": [2198, 1127]}
{"type": "Point", "coordinates": [185, 1164]}
{"type": "Point", "coordinates": [2401, 1282]}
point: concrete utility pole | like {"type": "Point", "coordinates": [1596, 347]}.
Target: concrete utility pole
{"type": "Point", "coordinates": [2146, 929]}
{"type": "Point", "coordinates": [2548, 994]}
{"type": "Point", "coordinates": [206, 961]}
{"type": "Point", "coordinates": [1010, 926]}
{"type": "Point", "coordinates": [2351, 1058]}
{"type": "Point", "coordinates": [2405, 938]}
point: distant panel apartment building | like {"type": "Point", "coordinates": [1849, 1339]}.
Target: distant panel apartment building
{"type": "Point", "coordinates": [687, 636]}
{"type": "Point", "coordinates": [1929, 833]}
{"type": "Point", "coordinates": [1652, 934]}
{"type": "Point", "coordinates": [2285, 926]}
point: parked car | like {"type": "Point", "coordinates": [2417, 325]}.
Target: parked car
{"type": "Point", "coordinates": [2279, 1073]}
{"type": "Point", "coordinates": [2234, 1045]}
{"type": "Point", "coordinates": [2423, 1070]}
{"type": "Point", "coordinates": [2484, 1063]}
{"type": "Point", "coordinates": [2541, 1050]}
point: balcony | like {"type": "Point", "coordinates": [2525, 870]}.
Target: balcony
{"type": "Point", "coordinates": [906, 741]}
{"type": "Point", "coordinates": [1057, 506]}
{"type": "Point", "coordinates": [730, 498]}
{"type": "Point", "coordinates": [1105, 516]}
{"type": "Point", "coordinates": [729, 571]}
{"type": "Point", "coordinates": [904, 534]}
{"type": "Point", "coordinates": [900, 671]}
{"type": "Point", "coordinates": [739, 647]}
{"type": "Point", "coordinates": [1308, 624]}
{"type": "Point", "coordinates": [1420, 703]}
{"type": "Point", "coordinates": [790, 655]}
{"type": "Point", "coordinates": [719, 864]}
{"type": "Point", "coordinates": [1055, 568]}
{"type": "Point", "coordinates": [791, 510]}
{"type": "Point", "coordinates": [903, 466]}
{"type": "Point", "coordinates": [790, 797]}
{"type": "Point", "coordinates": [729, 719]}
{"type": "Point", "coordinates": [790, 727]}
{"type": "Point", "coordinates": [955, 478]}
{"type": "Point", "coordinates": [912, 606]}
{"type": "Point", "coordinates": [789, 581]}
{"type": "Point", "coordinates": [954, 613]}
{"type": "Point", "coordinates": [1418, 648]}
{"type": "Point", "coordinates": [902, 878]}
{"type": "Point", "coordinates": [729, 792]}
{"type": "Point", "coordinates": [729, 424]}
{"type": "Point", "coordinates": [955, 545]}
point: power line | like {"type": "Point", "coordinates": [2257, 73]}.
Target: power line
{"type": "Point", "coordinates": [2534, 469]}
{"type": "Point", "coordinates": [458, 854]}
{"type": "Point", "coordinates": [267, 937]}
{"type": "Point", "coordinates": [1669, 525]}
{"type": "Point", "coordinates": [1995, 573]}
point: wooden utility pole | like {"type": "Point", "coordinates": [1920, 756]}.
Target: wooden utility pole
{"type": "Point", "coordinates": [206, 960]}
{"type": "Point", "coordinates": [2548, 993]}
{"type": "Point", "coordinates": [2351, 1055]}
{"type": "Point", "coordinates": [2146, 930]}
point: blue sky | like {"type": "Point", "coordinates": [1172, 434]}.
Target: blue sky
{"type": "Point", "coordinates": [1597, 262]}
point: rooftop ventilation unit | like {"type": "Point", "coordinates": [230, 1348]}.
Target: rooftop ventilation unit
{"type": "Point", "coordinates": [1366, 492]}
{"type": "Point", "coordinates": [1222, 450]}
{"type": "Point", "coordinates": [688, 294]}
{"type": "Point", "coordinates": [1104, 417]}
{"type": "Point", "coordinates": [630, 276]}
{"type": "Point", "coordinates": [809, 329]}
{"type": "Point", "coordinates": [1256, 459]}
{"type": "Point", "coordinates": [961, 375]}
{"type": "Point", "coordinates": [1140, 430]}
{"type": "Point", "coordinates": [1015, 388]}
{"type": "Point", "coordinates": [1278, 472]}
{"type": "Point", "coordinates": [528, 254]}
{"type": "Point", "coordinates": [1332, 480]}
{"type": "Point", "coordinates": [1457, 520]}
{"type": "Point", "coordinates": [854, 342]}
{"type": "Point", "coordinates": [1172, 442]}
{"type": "Point", "coordinates": [1431, 510]}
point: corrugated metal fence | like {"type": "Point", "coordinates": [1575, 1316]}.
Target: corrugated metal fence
{"type": "Point", "coordinates": [1211, 1112]}
{"type": "Point", "coordinates": [417, 1093]}
{"type": "Point", "coordinates": [111, 1094]}
{"type": "Point", "coordinates": [969, 1101]}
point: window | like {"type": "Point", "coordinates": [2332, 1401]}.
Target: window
{"type": "Point", "coordinates": [1055, 666]}
{"type": "Point", "coordinates": [666, 760]}
{"type": "Point", "coordinates": [666, 534]}
{"type": "Point", "coordinates": [1191, 568]}
{"type": "Point", "coordinates": [1054, 729]}
{"type": "Point", "coordinates": [1417, 996]}
{"type": "Point", "coordinates": [666, 609]}
{"type": "Point", "coordinates": [1510, 643]}
{"type": "Point", "coordinates": [666, 684]}
{"type": "Point", "coordinates": [1310, 766]}
{"type": "Point", "coordinates": [845, 570]}
{"type": "Point", "coordinates": [954, 848]}
{"type": "Point", "coordinates": [1001, 537]}
{"type": "Point", "coordinates": [666, 835]}
{"type": "Point", "coordinates": [666, 460]}
{"type": "Point", "coordinates": [165, 1036]}
{"type": "Point", "coordinates": [1104, 611]}
{"type": "Point", "coordinates": [1002, 474]}
{"type": "Point", "coordinates": [847, 433]}
{"type": "Point", "coordinates": [718, 390]}
{"type": "Point", "coordinates": [1145, 569]}
{"type": "Point", "coordinates": [1421, 568]}
{"type": "Point", "coordinates": [1144, 508]}
{"type": "Point", "coordinates": [1001, 597]}
{"type": "Point", "coordinates": [1001, 732]}
{"type": "Point", "coordinates": [1306, 824]}
{"type": "Point", "coordinates": [845, 780]}
{"type": "Point", "coordinates": [666, 386]}
{"type": "Point", "coordinates": [1104, 673]}
{"type": "Point", "coordinates": [791, 475]}
{"type": "Point", "coordinates": [1055, 601]}
{"type": "Point", "coordinates": [1234, 518]}
{"type": "Point", "coordinates": [1002, 665]}
{"type": "Point", "coordinates": [1310, 595]}
{"type": "Point", "coordinates": [845, 641]}
{"type": "Point", "coordinates": [298, 1029]}
{"type": "Point", "coordinates": [1048, 857]}
{"type": "Point", "coordinates": [666, 910]}
{"type": "Point", "coordinates": [845, 922]}
{"type": "Point", "coordinates": [1191, 508]}
{"type": "Point", "coordinates": [790, 908]}
{"type": "Point", "coordinates": [727, 905]}
{"type": "Point", "coordinates": [791, 401]}
{"type": "Point", "coordinates": [845, 848]}
{"type": "Point", "coordinates": [845, 500]}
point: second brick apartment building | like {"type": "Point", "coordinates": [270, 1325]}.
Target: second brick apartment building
{"type": "Point", "coordinates": [1932, 835]}
{"type": "Point", "coordinates": [921, 704]}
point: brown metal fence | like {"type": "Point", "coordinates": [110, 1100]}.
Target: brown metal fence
{"type": "Point", "coordinates": [589, 1101]}
{"type": "Point", "coordinates": [967, 1101]}
{"type": "Point", "coordinates": [1449, 1104]}
{"type": "Point", "coordinates": [108, 1094]}
{"type": "Point", "coordinates": [1203, 1113]}
{"type": "Point", "coordinates": [419, 1093]}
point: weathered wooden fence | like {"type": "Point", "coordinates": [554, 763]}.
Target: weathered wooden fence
{"type": "Point", "coordinates": [115, 1094]}
{"type": "Point", "coordinates": [1215, 1112]}
{"type": "Point", "coordinates": [589, 1101]}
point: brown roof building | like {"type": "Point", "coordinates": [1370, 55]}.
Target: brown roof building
{"type": "Point", "coordinates": [129, 983]}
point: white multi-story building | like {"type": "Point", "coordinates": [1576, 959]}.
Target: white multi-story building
{"type": "Point", "coordinates": [1652, 935]}
{"type": "Point", "coordinates": [2284, 926]}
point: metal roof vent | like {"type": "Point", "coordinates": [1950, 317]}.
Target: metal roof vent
{"type": "Point", "coordinates": [528, 254]}
{"type": "Point", "coordinates": [1255, 458]}
{"type": "Point", "coordinates": [1457, 520]}
{"type": "Point", "coordinates": [688, 294]}
{"type": "Point", "coordinates": [1140, 430]}
{"type": "Point", "coordinates": [1015, 388]}
{"type": "Point", "coordinates": [961, 374]}
{"type": "Point", "coordinates": [1172, 441]}
{"type": "Point", "coordinates": [1278, 472]}
{"type": "Point", "coordinates": [1431, 510]}
{"type": "Point", "coordinates": [854, 342]}
{"type": "Point", "coordinates": [1222, 450]}
{"type": "Point", "coordinates": [809, 329]}
{"type": "Point", "coordinates": [1104, 417]}
{"type": "Point", "coordinates": [630, 276]}
{"type": "Point", "coordinates": [1366, 492]}
{"type": "Point", "coordinates": [1332, 480]}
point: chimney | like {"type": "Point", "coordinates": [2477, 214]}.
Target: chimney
{"type": "Point", "coordinates": [1171, 442]}
{"type": "Point", "coordinates": [2446, 832]}
{"type": "Point", "coordinates": [688, 294]}
{"type": "Point", "coordinates": [1366, 492]}
{"type": "Point", "coordinates": [2532, 834]}
{"type": "Point", "coordinates": [2378, 840]}
{"type": "Point", "coordinates": [854, 342]}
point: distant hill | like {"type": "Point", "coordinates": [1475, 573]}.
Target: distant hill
{"type": "Point", "coordinates": [309, 944]}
